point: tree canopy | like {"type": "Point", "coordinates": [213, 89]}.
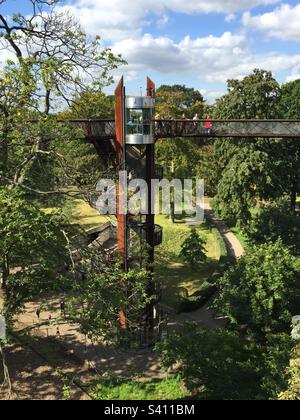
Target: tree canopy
{"type": "Point", "coordinates": [262, 290]}
{"type": "Point", "coordinates": [178, 100]}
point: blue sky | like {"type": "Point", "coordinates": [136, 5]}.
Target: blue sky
{"type": "Point", "coordinates": [199, 43]}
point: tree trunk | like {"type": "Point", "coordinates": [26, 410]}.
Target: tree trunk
{"type": "Point", "coordinates": [4, 150]}
{"type": "Point", "coordinates": [47, 102]}
{"type": "Point", "coordinates": [5, 272]}
{"type": "Point", "coordinates": [7, 381]}
{"type": "Point", "coordinates": [294, 197]}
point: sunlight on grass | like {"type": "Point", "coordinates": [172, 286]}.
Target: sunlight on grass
{"type": "Point", "coordinates": [83, 214]}
{"type": "Point", "coordinates": [79, 212]}
{"type": "Point", "coordinates": [176, 277]}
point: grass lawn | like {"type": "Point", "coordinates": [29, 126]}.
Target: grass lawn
{"type": "Point", "coordinates": [175, 276]}
{"type": "Point", "coordinates": [120, 389]}
{"type": "Point", "coordinates": [79, 212]}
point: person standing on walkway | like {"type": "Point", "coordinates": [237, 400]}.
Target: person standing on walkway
{"type": "Point", "coordinates": [208, 125]}
{"type": "Point", "coordinates": [195, 119]}
{"type": "Point", "coordinates": [63, 308]}
{"type": "Point", "coordinates": [158, 122]}
{"type": "Point", "coordinates": [38, 313]}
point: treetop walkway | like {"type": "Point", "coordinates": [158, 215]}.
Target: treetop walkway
{"type": "Point", "coordinates": [97, 130]}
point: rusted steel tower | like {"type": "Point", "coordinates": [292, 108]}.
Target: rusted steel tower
{"type": "Point", "coordinates": [135, 142]}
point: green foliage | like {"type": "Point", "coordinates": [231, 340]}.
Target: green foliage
{"type": "Point", "coordinates": [276, 358]}
{"type": "Point", "coordinates": [290, 100]}
{"type": "Point", "coordinates": [33, 250]}
{"type": "Point", "coordinates": [102, 292]}
{"type": "Point", "coordinates": [255, 96]}
{"type": "Point", "coordinates": [199, 298]}
{"type": "Point", "coordinates": [207, 169]}
{"type": "Point", "coordinates": [251, 170]}
{"type": "Point", "coordinates": [262, 290]}
{"type": "Point", "coordinates": [214, 364]}
{"type": "Point", "coordinates": [247, 169]}
{"type": "Point", "coordinates": [193, 249]}
{"type": "Point", "coordinates": [292, 391]}
{"type": "Point", "coordinates": [276, 220]}
{"type": "Point", "coordinates": [117, 388]}
{"type": "Point", "coordinates": [290, 163]}
{"type": "Point", "coordinates": [91, 103]}
{"type": "Point", "coordinates": [83, 157]}
{"type": "Point", "coordinates": [246, 177]}
{"type": "Point", "coordinates": [178, 102]}
{"type": "Point", "coordinates": [174, 101]}
{"type": "Point", "coordinates": [54, 61]}
{"type": "Point", "coordinates": [184, 154]}
{"type": "Point", "coordinates": [55, 49]}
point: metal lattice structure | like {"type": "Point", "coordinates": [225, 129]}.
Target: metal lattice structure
{"type": "Point", "coordinates": [97, 130]}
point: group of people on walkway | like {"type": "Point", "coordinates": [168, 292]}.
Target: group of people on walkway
{"type": "Point", "coordinates": [62, 309]}
{"type": "Point", "coordinates": [195, 119]}
{"type": "Point", "coordinates": [63, 313]}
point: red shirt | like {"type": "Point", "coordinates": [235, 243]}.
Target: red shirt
{"type": "Point", "coordinates": [208, 123]}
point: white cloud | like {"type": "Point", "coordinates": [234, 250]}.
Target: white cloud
{"type": "Point", "coordinates": [161, 22]}
{"type": "Point", "coordinates": [292, 78]}
{"type": "Point", "coordinates": [211, 59]}
{"type": "Point", "coordinates": [119, 19]}
{"type": "Point", "coordinates": [5, 55]}
{"type": "Point", "coordinates": [230, 18]}
{"type": "Point", "coordinates": [282, 23]}
{"type": "Point", "coordinates": [211, 95]}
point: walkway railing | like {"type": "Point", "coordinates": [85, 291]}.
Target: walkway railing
{"type": "Point", "coordinates": [97, 130]}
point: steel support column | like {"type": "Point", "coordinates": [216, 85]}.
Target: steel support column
{"type": "Point", "coordinates": [121, 194]}
{"type": "Point", "coordinates": [150, 219]}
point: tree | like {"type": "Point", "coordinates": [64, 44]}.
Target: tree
{"type": "Point", "coordinates": [173, 101]}
{"type": "Point", "coordinates": [262, 290]}
{"type": "Point", "coordinates": [292, 391]}
{"type": "Point", "coordinates": [248, 169]}
{"type": "Point", "coordinates": [184, 154]}
{"type": "Point", "coordinates": [33, 250]}
{"type": "Point", "coordinates": [219, 364]}
{"type": "Point", "coordinates": [54, 61]}
{"type": "Point", "coordinates": [83, 156]}
{"type": "Point", "coordinates": [256, 96]}
{"type": "Point", "coordinates": [193, 249]}
{"type": "Point", "coordinates": [273, 221]}
{"type": "Point", "coordinates": [207, 169]}
{"type": "Point", "coordinates": [103, 291]}
{"type": "Point", "coordinates": [52, 45]}
{"type": "Point", "coordinates": [247, 177]}
{"type": "Point", "coordinates": [214, 364]}
{"type": "Point", "coordinates": [290, 150]}
{"type": "Point", "coordinates": [91, 103]}
{"type": "Point", "coordinates": [276, 355]}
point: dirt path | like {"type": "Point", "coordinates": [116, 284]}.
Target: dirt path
{"type": "Point", "coordinates": [104, 358]}
{"type": "Point", "coordinates": [32, 378]}
{"type": "Point", "coordinates": [39, 368]}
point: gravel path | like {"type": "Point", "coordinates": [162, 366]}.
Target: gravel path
{"type": "Point", "coordinates": [232, 243]}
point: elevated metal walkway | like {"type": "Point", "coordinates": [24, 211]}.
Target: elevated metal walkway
{"type": "Point", "coordinates": [100, 130]}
